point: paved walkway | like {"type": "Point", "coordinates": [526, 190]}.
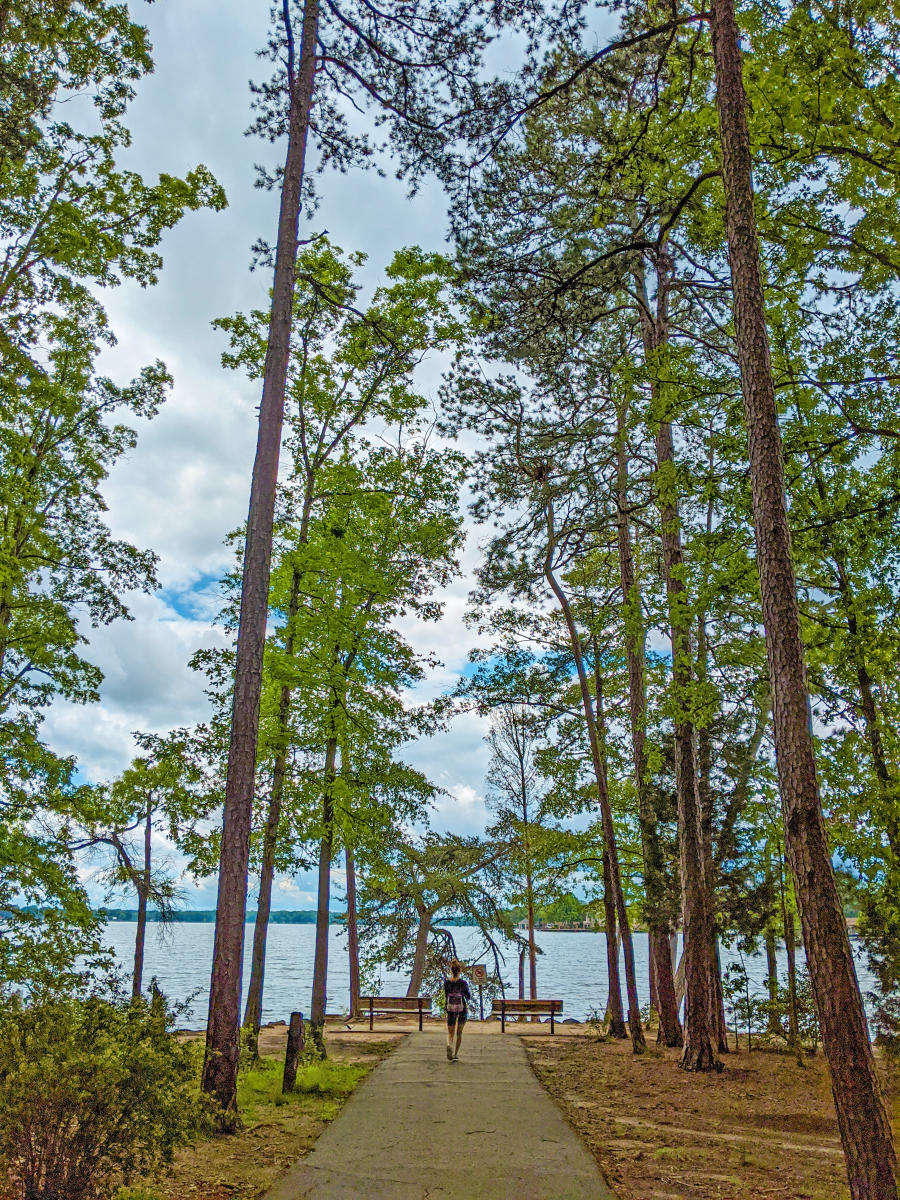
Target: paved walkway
{"type": "Point", "coordinates": [420, 1127]}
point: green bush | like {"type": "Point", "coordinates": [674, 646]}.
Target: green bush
{"type": "Point", "coordinates": [92, 1091]}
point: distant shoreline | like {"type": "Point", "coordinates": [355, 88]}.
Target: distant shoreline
{"type": "Point", "coordinates": [207, 916]}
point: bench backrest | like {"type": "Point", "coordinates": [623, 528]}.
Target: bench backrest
{"type": "Point", "coordinates": [518, 1008]}
{"type": "Point", "coordinates": [395, 1003]}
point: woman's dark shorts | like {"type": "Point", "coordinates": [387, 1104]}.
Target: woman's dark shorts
{"type": "Point", "coordinates": [453, 1018]}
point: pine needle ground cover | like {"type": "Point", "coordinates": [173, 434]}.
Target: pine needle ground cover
{"type": "Point", "coordinates": [764, 1129]}
{"type": "Point", "coordinates": [277, 1129]}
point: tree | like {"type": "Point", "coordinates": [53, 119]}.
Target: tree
{"type": "Point", "coordinates": [862, 1117]}
{"type": "Point", "coordinates": [413, 882]}
{"type": "Point", "coordinates": [516, 794]}
{"type": "Point", "coordinates": [72, 223]}
{"type": "Point", "coordinates": [418, 67]}
{"type": "Point", "coordinates": [347, 368]}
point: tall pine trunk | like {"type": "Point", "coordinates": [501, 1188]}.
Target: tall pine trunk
{"type": "Point", "coordinates": [352, 929]}
{"type": "Point", "coordinates": [220, 1067]}
{"type": "Point", "coordinates": [611, 853]}
{"type": "Point", "coordinates": [532, 949]}
{"type": "Point", "coordinates": [140, 936]}
{"type": "Point", "coordinates": [861, 1113]}
{"type": "Point", "coordinates": [253, 1007]}
{"type": "Point", "coordinates": [615, 1016]}
{"type": "Point", "coordinates": [323, 905]}
{"type": "Point", "coordinates": [701, 1037]}
{"type": "Point", "coordinates": [663, 985]}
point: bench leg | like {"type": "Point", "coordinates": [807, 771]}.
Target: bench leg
{"type": "Point", "coordinates": [503, 1016]}
{"type": "Point", "coordinates": [420, 1014]}
{"type": "Point", "coordinates": [552, 1027]}
{"type": "Point", "coordinates": [371, 1018]}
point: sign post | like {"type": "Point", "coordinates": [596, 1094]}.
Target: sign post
{"type": "Point", "coordinates": [479, 976]}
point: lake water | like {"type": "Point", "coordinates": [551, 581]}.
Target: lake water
{"type": "Point", "coordinates": [572, 967]}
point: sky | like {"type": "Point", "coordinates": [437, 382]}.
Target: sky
{"type": "Point", "coordinates": [186, 484]}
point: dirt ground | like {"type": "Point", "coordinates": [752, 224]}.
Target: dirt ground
{"type": "Point", "coordinates": [762, 1130]}
{"type": "Point", "coordinates": [277, 1130]}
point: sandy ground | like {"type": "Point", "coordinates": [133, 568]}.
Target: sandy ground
{"type": "Point", "coordinates": [764, 1129]}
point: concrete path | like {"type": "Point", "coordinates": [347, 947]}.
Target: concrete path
{"type": "Point", "coordinates": [420, 1127]}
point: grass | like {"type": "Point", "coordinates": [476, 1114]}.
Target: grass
{"type": "Point", "coordinates": [259, 1086]}
{"type": "Point", "coordinates": [275, 1130]}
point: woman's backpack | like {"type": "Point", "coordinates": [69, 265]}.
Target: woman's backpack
{"type": "Point", "coordinates": [456, 1002]}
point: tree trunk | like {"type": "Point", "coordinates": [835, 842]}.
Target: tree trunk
{"type": "Point", "coordinates": [862, 1117]}
{"type": "Point", "coordinates": [610, 850]}
{"type": "Point", "coordinates": [532, 949]}
{"type": "Point", "coordinates": [418, 967]}
{"type": "Point", "coordinates": [772, 1026]}
{"type": "Point", "coordinates": [352, 930]}
{"type": "Point", "coordinates": [140, 936]}
{"type": "Point", "coordinates": [700, 1025]}
{"type": "Point", "coordinates": [705, 796]}
{"type": "Point", "coordinates": [664, 983]}
{"type": "Point", "coordinates": [701, 1035]}
{"type": "Point", "coordinates": [615, 1018]}
{"type": "Point", "coordinates": [220, 1065]}
{"type": "Point", "coordinates": [323, 905]}
{"type": "Point", "coordinates": [790, 945]}
{"type": "Point", "coordinates": [654, 865]}
{"type": "Point", "coordinates": [253, 1007]}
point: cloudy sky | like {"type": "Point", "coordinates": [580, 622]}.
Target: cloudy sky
{"type": "Point", "coordinates": [187, 482]}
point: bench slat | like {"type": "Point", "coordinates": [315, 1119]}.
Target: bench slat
{"type": "Point", "coordinates": [396, 1004]}
{"type": "Point", "coordinates": [528, 1006]}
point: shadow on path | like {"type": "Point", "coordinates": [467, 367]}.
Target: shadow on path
{"type": "Point", "coordinates": [419, 1126]}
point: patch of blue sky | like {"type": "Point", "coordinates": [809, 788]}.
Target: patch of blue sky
{"type": "Point", "coordinates": [200, 600]}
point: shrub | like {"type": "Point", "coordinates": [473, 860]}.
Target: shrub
{"type": "Point", "coordinates": [92, 1091]}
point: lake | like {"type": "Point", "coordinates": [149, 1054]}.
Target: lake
{"type": "Point", "coordinates": [572, 967]}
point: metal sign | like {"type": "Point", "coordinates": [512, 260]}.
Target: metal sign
{"type": "Point", "coordinates": [479, 973]}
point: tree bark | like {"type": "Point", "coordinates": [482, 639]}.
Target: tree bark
{"type": "Point", "coordinates": [700, 1025]}
{"type": "Point", "coordinates": [615, 1017]}
{"type": "Point", "coordinates": [140, 936]}
{"type": "Point", "coordinates": [323, 905]}
{"type": "Point", "coordinates": [418, 967]}
{"type": "Point", "coordinates": [861, 1113]}
{"type": "Point", "coordinates": [772, 1027]}
{"type": "Point", "coordinates": [253, 1007]}
{"type": "Point", "coordinates": [658, 924]}
{"type": "Point", "coordinates": [352, 930]}
{"type": "Point", "coordinates": [220, 1065]}
{"type": "Point", "coordinates": [610, 850]}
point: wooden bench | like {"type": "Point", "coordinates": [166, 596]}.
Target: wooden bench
{"type": "Point", "coordinates": [526, 1008]}
{"type": "Point", "coordinates": [387, 1005]}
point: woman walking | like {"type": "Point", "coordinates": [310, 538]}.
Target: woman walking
{"type": "Point", "coordinates": [456, 999]}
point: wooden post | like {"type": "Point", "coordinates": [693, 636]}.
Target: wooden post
{"type": "Point", "coordinates": [420, 1013]}
{"type": "Point", "coordinates": [371, 1013]}
{"type": "Point", "coordinates": [480, 1002]}
{"type": "Point", "coordinates": [552, 1026]}
{"type": "Point", "coordinates": [503, 1016]}
{"type": "Point", "coordinates": [293, 1052]}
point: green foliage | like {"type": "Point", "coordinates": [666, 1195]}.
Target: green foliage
{"type": "Point", "coordinates": [92, 1091]}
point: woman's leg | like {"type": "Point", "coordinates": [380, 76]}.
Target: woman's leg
{"type": "Point", "coordinates": [450, 1035]}
{"type": "Point", "coordinates": [459, 1032]}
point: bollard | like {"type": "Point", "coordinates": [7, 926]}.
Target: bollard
{"type": "Point", "coordinates": [293, 1052]}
